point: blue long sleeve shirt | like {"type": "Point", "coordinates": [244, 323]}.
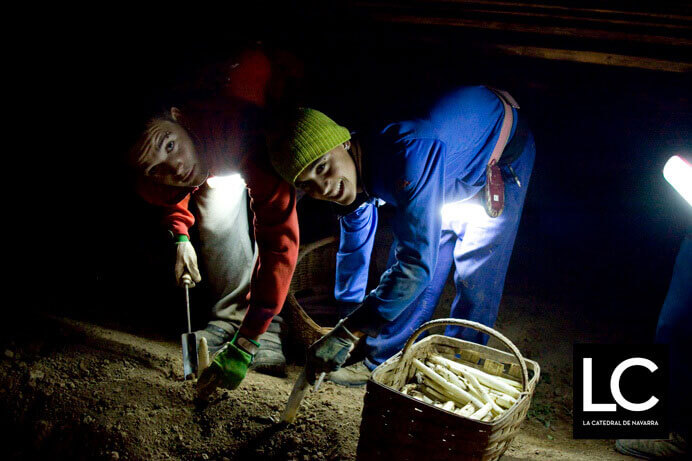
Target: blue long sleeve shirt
{"type": "Point", "coordinates": [416, 166]}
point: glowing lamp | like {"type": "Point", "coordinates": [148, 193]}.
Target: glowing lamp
{"type": "Point", "coordinates": [225, 182]}
{"type": "Point", "coordinates": [678, 172]}
{"type": "Point", "coordinates": [469, 210]}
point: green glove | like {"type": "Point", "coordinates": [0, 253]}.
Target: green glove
{"type": "Point", "coordinates": [228, 367]}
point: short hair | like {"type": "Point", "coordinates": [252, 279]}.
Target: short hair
{"type": "Point", "coordinates": [143, 133]}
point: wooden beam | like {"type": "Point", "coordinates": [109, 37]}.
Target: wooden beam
{"type": "Point", "coordinates": [587, 21]}
{"type": "Point", "coordinates": [638, 9]}
{"type": "Point", "coordinates": [592, 57]}
{"type": "Point", "coordinates": [572, 32]}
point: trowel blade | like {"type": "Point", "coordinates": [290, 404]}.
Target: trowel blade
{"type": "Point", "coordinates": [299, 389]}
{"type": "Point", "coordinates": [190, 355]}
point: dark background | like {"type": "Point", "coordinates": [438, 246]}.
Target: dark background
{"type": "Point", "coordinates": [600, 227]}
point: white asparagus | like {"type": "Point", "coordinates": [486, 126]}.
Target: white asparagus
{"type": "Point", "coordinates": [483, 377]}
{"type": "Point", "coordinates": [461, 389]}
{"type": "Point", "coordinates": [495, 393]}
{"type": "Point", "coordinates": [202, 356]}
{"type": "Point", "coordinates": [421, 396]}
{"type": "Point", "coordinates": [408, 387]}
{"type": "Point", "coordinates": [512, 382]}
{"type": "Point", "coordinates": [467, 410]}
{"type": "Point", "coordinates": [473, 384]}
{"type": "Point", "coordinates": [451, 376]}
{"type": "Point", "coordinates": [436, 385]}
{"type": "Point", "coordinates": [505, 401]}
{"type": "Point", "coordinates": [432, 392]}
{"type": "Point", "coordinates": [454, 391]}
{"type": "Point", "coordinates": [484, 410]}
{"type": "Point", "coordinates": [485, 388]}
{"type": "Point", "coordinates": [429, 383]}
{"type": "Point", "coordinates": [456, 380]}
{"type": "Point", "coordinates": [437, 392]}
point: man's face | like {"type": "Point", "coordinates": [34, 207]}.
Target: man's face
{"type": "Point", "coordinates": [331, 177]}
{"type": "Point", "coordinates": [168, 156]}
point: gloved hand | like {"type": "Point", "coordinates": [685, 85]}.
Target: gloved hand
{"type": "Point", "coordinates": [186, 263]}
{"type": "Point", "coordinates": [228, 367]}
{"type": "Point", "coordinates": [329, 352]}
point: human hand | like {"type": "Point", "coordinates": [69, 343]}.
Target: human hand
{"type": "Point", "coordinates": [186, 263]}
{"type": "Point", "coordinates": [329, 352]}
{"type": "Point", "coordinates": [228, 368]}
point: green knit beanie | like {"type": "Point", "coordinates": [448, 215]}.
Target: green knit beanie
{"type": "Point", "coordinates": [311, 135]}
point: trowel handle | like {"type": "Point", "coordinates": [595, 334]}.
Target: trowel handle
{"type": "Point", "coordinates": [187, 280]}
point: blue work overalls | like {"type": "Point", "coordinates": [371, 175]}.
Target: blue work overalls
{"type": "Point", "coordinates": [432, 171]}
{"type": "Point", "coordinates": [675, 328]}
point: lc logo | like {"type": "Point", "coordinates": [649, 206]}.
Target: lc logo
{"type": "Point", "coordinates": [589, 405]}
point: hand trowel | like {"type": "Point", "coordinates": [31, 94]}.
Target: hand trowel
{"type": "Point", "coordinates": [190, 340]}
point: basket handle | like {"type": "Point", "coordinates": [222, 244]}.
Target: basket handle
{"type": "Point", "coordinates": [309, 247]}
{"type": "Point", "coordinates": [476, 326]}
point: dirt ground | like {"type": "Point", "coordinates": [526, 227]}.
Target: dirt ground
{"type": "Point", "coordinates": [72, 389]}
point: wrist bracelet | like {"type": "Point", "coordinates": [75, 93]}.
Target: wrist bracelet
{"type": "Point", "coordinates": [246, 344]}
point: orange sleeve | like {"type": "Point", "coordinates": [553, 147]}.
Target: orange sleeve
{"type": "Point", "coordinates": [173, 200]}
{"type": "Point", "coordinates": [273, 202]}
{"type": "Point", "coordinates": [178, 218]}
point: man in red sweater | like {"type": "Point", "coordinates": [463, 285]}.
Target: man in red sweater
{"type": "Point", "coordinates": [227, 250]}
{"type": "Point", "coordinates": [182, 147]}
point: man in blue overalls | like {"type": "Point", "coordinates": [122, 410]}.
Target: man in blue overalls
{"type": "Point", "coordinates": [456, 177]}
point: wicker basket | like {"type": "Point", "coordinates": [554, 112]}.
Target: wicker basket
{"type": "Point", "coordinates": [398, 427]}
{"type": "Point", "coordinates": [315, 267]}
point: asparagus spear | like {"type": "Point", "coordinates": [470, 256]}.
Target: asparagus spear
{"type": "Point", "coordinates": [505, 401]}
{"type": "Point", "coordinates": [455, 392]}
{"type": "Point", "coordinates": [448, 405]}
{"type": "Point", "coordinates": [408, 387]}
{"type": "Point", "coordinates": [484, 410]}
{"type": "Point", "coordinates": [467, 410]}
{"type": "Point", "coordinates": [511, 382]}
{"type": "Point", "coordinates": [433, 392]}
{"type": "Point", "coordinates": [485, 378]}
{"type": "Point", "coordinates": [422, 397]}
{"type": "Point", "coordinates": [474, 384]}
